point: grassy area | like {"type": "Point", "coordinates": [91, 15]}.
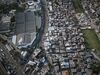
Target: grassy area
{"type": "Point", "coordinates": [1, 72]}
{"type": "Point", "coordinates": [78, 6]}
{"type": "Point", "coordinates": [91, 39]}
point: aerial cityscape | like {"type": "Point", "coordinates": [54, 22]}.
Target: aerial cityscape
{"type": "Point", "coordinates": [49, 37]}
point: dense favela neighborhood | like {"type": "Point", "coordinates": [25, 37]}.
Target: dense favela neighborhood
{"type": "Point", "coordinates": [49, 37]}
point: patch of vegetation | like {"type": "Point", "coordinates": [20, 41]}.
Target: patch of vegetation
{"type": "Point", "coordinates": [91, 39]}
{"type": "Point", "coordinates": [4, 8]}
{"type": "Point", "coordinates": [78, 6]}
{"type": "Point", "coordinates": [96, 68]}
{"type": "Point", "coordinates": [1, 72]}
{"type": "Point", "coordinates": [13, 19]}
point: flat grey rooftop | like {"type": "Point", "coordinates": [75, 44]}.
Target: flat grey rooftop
{"type": "Point", "coordinates": [25, 22]}
{"type": "Point", "coordinates": [26, 27]}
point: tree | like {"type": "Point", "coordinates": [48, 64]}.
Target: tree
{"type": "Point", "coordinates": [96, 68]}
